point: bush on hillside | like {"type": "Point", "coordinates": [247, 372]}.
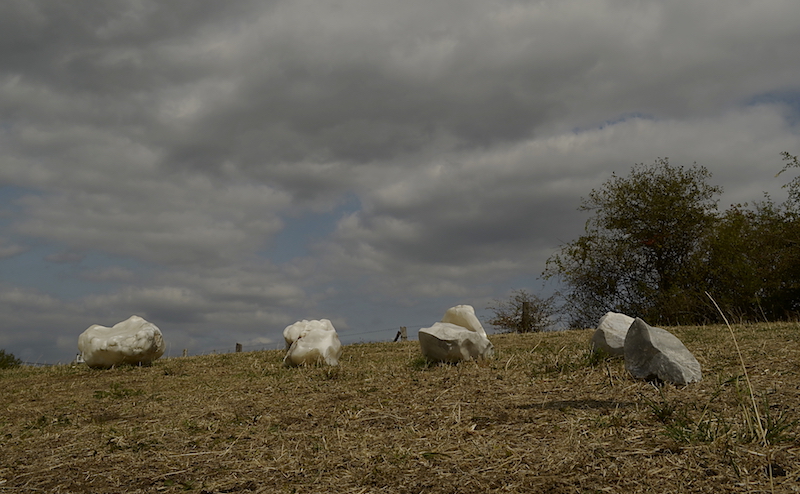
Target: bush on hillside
{"type": "Point", "coordinates": [8, 360]}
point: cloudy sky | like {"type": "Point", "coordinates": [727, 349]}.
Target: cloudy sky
{"type": "Point", "coordinates": [224, 169]}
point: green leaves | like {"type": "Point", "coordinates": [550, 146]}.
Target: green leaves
{"type": "Point", "coordinates": [656, 244]}
{"type": "Point", "coordinates": [645, 228]}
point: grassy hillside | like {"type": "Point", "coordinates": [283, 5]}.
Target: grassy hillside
{"type": "Point", "coordinates": [540, 417]}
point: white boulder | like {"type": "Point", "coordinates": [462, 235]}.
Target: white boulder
{"type": "Point", "coordinates": [133, 341]}
{"type": "Point", "coordinates": [459, 336]}
{"type": "Point", "coordinates": [655, 353]}
{"type": "Point", "coordinates": [610, 334]}
{"type": "Point", "coordinates": [464, 316]}
{"type": "Point", "coordinates": [312, 342]}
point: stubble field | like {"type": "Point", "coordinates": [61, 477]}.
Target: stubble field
{"type": "Point", "coordinates": [541, 416]}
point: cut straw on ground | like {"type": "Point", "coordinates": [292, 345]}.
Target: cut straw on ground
{"type": "Point", "coordinates": [542, 416]}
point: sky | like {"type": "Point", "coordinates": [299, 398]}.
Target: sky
{"type": "Point", "coordinates": [224, 169]}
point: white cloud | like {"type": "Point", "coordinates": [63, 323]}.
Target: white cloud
{"type": "Point", "coordinates": [173, 219]}
{"type": "Point", "coordinates": [472, 215]}
{"type": "Point", "coordinates": [109, 274]}
{"type": "Point", "coordinates": [10, 249]}
{"type": "Point", "coordinates": [66, 257]}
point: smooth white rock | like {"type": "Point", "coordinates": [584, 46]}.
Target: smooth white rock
{"type": "Point", "coordinates": [458, 336]}
{"type": "Point", "coordinates": [464, 316]}
{"type": "Point", "coordinates": [294, 331]}
{"type": "Point", "coordinates": [610, 333]}
{"type": "Point", "coordinates": [133, 341]}
{"type": "Point", "coordinates": [656, 353]}
{"type": "Point", "coordinates": [446, 342]}
{"type": "Point", "coordinates": [311, 343]}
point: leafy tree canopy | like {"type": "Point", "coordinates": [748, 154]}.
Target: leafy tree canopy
{"type": "Point", "coordinates": [645, 228]}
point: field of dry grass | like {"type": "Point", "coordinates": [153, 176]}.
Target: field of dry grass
{"type": "Point", "coordinates": [542, 416]}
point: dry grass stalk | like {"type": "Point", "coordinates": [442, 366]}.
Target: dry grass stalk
{"type": "Point", "coordinates": [759, 425]}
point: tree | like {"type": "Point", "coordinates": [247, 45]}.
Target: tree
{"type": "Point", "coordinates": [793, 202]}
{"type": "Point", "coordinates": [8, 360]}
{"type": "Point", "coordinates": [753, 256]}
{"type": "Point", "coordinates": [523, 312]}
{"type": "Point", "coordinates": [751, 262]}
{"type": "Point", "coordinates": [633, 256]}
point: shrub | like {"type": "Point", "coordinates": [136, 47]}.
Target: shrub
{"type": "Point", "coordinates": [8, 360]}
{"type": "Point", "coordinates": [523, 312]}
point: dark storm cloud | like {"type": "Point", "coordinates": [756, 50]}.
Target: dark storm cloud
{"type": "Point", "coordinates": [442, 148]}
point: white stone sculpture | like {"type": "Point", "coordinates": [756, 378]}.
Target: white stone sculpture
{"type": "Point", "coordinates": [610, 334]}
{"type": "Point", "coordinates": [133, 341]}
{"type": "Point", "coordinates": [312, 342]}
{"type": "Point", "coordinates": [655, 353]}
{"type": "Point", "coordinates": [459, 336]}
{"type": "Point", "coordinates": [464, 316]}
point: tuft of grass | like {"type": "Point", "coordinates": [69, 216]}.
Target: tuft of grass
{"type": "Point", "coordinates": [420, 363]}
{"type": "Point", "coordinates": [595, 357]}
{"type": "Point", "coordinates": [663, 410]}
{"type": "Point", "coordinates": [686, 423]}
{"type": "Point", "coordinates": [117, 391]}
{"type": "Point", "coordinates": [778, 427]}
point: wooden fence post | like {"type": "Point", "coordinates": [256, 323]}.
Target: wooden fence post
{"type": "Point", "coordinates": [402, 335]}
{"type": "Point", "coordinates": [185, 352]}
{"type": "Point", "coordinates": [526, 317]}
{"type": "Point", "coordinates": [238, 347]}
